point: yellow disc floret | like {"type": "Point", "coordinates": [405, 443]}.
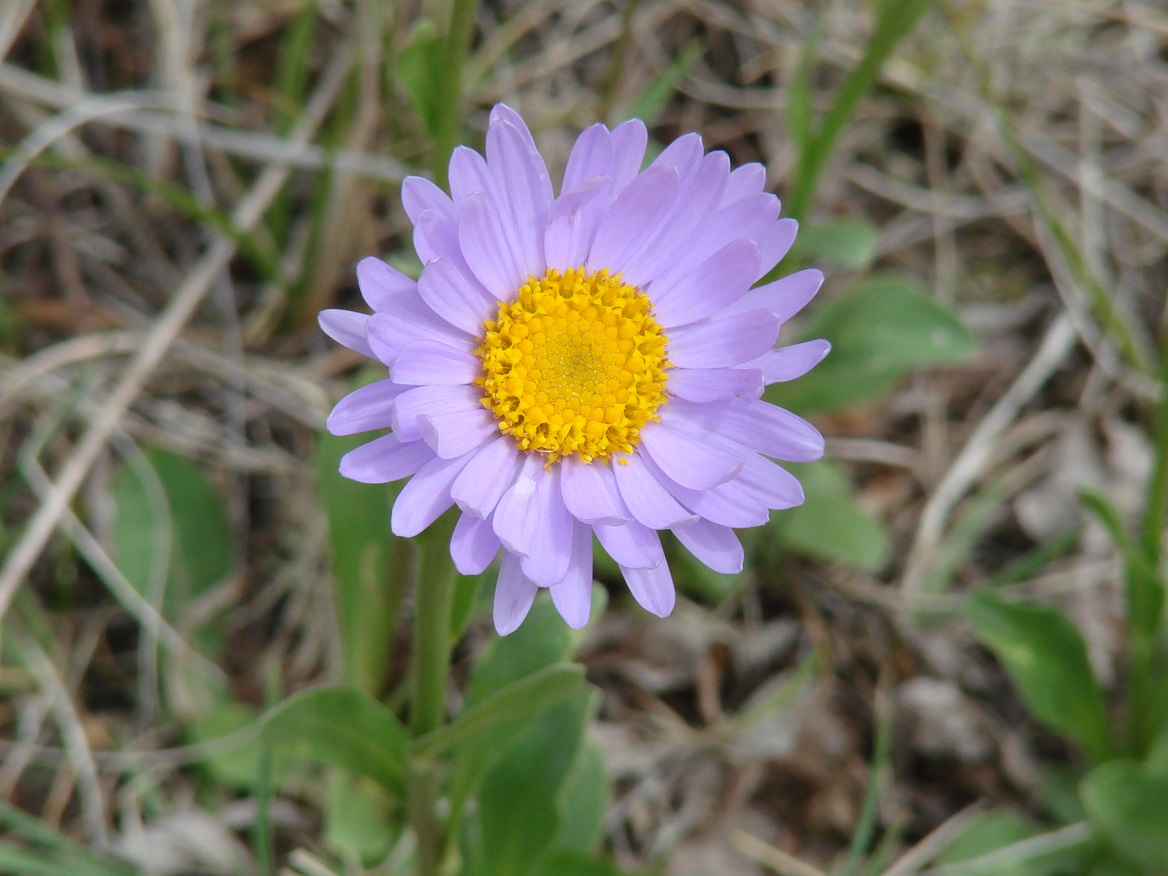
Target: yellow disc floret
{"type": "Point", "coordinates": [574, 366]}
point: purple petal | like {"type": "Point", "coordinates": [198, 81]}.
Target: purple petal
{"type": "Point", "coordinates": [531, 521]}
{"type": "Point", "coordinates": [425, 496]}
{"type": "Point", "coordinates": [770, 483]}
{"type": "Point", "coordinates": [412, 320]}
{"type": "Point", "coordinates": [381, 285]}
{"type": "Point", "coordinates": [468, 174]}
{"type": "Point", "coordinates": [750, 218]}
{"type": "Point", "coordinates": [525, 189]}
{"type": "Point", "coordinates": [716, 546]}
{"type": "Point", "coordinates": [370, 407]}
{"type": "Point", "coordinates": [727, 504]}
{"type": "Point", "coordinates": [348, 328]}
{"type": "Point", "coordinates": [750, 179]}
{"type": "Point", "coordinates": [436, 236]}
{"type": "Point", "coordinates": [775, 244]}
{"type": "Point", "coordinates": [549, 550]}
{"type": "Point", "coordinates": [730, 340]}
{"type": "Point", "coordinates": [784, 298]}
{"type": "Point", "coordinates": [514, 594]}
{"type": "Point", "coordinates": [684, 153]}
{"type": "Point", "coordinates": [628, 153]}
{"type": "Point", "coordinates": [572, 224]}
{"type": "Point", "coordinates": [487, 477]}
{"type": "Point", "coordinates": [426, 363]}
{"type": "Point", "coordinates": [652, 588]}
{"type": "Point", "coordinates": [631, 544]}
{"type": "Point", "coordinates": [590, 492]}
{"type": "Point", "coordinates": [758, 425]}
{"type": "Point", "coordinates": [385, 459]}
{"type": "Point", "coordinates": [591, 157]}
{"type": "Point", "coordinates": [473, 544]}
{"type": "Point", "coordinates": [572, 597]}
{"type": "Point", "coordinates": [716, 384]}
{"type": "Point", "coordinates": [487, 250]}
{"type": "Point", "coordinates": [633, 217]}
{"type": "Point", "coordinates": [428, 401]}
{"type": "Point", "coordinates": [454, 433]}
{"type": "Point", "coordinates": [714, 284]}
{"type": "Point", "coordinates": [787, 363]}
{"type": "Point", "coordinates": [648, 501]}
{"type": "Point", "coordinates": [500, 112]}
{"type": "Point", "coordinates": [691, 463]}
{"type": "Point", "coordinates": [419, 194]}
{"type": "Point", "coordinates": [683, 227]}
{"type": "Point", "coordinates": [455, 297]}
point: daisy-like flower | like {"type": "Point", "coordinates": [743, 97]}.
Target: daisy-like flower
{"type": "Point", "coordinates": [588, 363]}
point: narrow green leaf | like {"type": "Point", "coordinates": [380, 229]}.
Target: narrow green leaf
{"type": "Point", "coordinates": [880, 331]}
{"type": "Point", "coordinates": [649, 105]}
{"type": "Point", "coordinates": [986, 834]}
{"type": "Point", "coordinates": [829, 525]}
{"type": "Point", "coordinates": [1045, 656]}
{"type": "Point", "coordinates": [518, 703]}
{"type": "Point", "coordinates": [799, 101]}
{"type": "Point", "coordinates": [418, 66]}
{"type": "Point", "coordinates": [1145, 592]}
{"type": "Point", "coordinates": [1130, 808]}
{"type": "Point", "coordinates": [343, 727]}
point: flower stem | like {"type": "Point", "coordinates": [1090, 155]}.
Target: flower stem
{"type": "Point", "coordinates": [434, 597]}
{"type": "Point", "coordinates": [431, 654]}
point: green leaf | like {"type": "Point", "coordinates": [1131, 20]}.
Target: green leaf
{"type": "Point", "coordinates": [987, 833]}
{"type": "Point", "coordinates": [882, 330]}
{"type": "Point", "coordinates": [237, 767]}
{"type": "Point", "coordinates": [357, 820]}
{"type": "Point", "coordinates": [419, 66]}
{"type": "Point", "coordinates": [517, 703]}
{"type": "Point", "coordinates": [583, 802]}
{"type": "Point", "coordinates": [845, 243]}
{"type": "Point", "coordinates": [1130, 808]}
{"type": "Point", "coordinates": [518, 815]}
{"type": "Point", "coordinates": [198, 535]}
{"type": "Point", "coordinates": [343, 727]}
{"type": "Point", "coordinates": [368, 563]}
{"type": "Point", "coordinates": [1045, 656]}
{"type": "Point", "coordinates": [565, 862]}
{"type": "Point", "coordinates": [829, 525]}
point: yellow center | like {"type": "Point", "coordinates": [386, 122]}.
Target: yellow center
{"type": "Point", "coordinates": [575, 365]}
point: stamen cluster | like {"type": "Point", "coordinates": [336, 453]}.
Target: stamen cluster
{"type": "Point", "coordinates": [575, 365]}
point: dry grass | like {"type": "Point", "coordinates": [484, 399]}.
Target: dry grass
{"type": "Point", "coordinates": [1000, 131]}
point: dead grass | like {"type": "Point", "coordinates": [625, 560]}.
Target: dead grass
{"type": "Point", "coordinates": [149, 319]}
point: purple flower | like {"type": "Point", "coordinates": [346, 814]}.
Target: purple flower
{"type": "Point", "coordinates": [588, 363]}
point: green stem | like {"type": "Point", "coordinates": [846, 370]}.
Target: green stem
{"type": "Point", "coordinates": [433, 599]}
{"type": "Point", "coordinates": [422, 793]}
{"type": "Point", "coordinates": [458, 36]}
{"type": "Point", "coordinates": [1157, 501]}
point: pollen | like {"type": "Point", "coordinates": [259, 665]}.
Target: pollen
{"type": "Point", "coordinates": [575, 366]}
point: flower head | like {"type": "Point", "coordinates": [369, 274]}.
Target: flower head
{"type": "Point", "coordinates": [584, 364]}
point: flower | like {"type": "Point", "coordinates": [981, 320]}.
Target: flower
{"type": "Point", "coordinates": [584, 364]}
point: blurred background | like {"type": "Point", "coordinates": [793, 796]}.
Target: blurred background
{"type": "Point", "coordinates": [184, 184]}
